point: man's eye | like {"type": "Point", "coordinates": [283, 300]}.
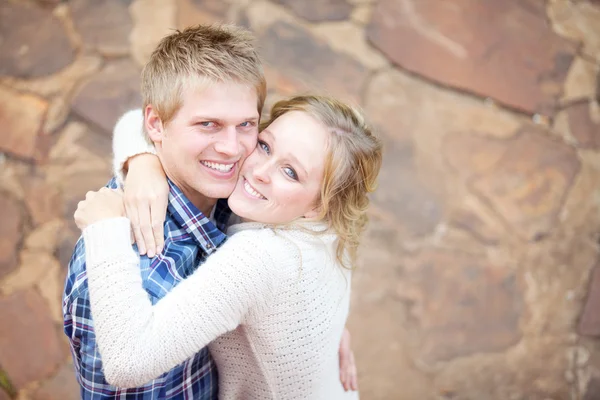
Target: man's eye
{"type": "Point", "coordinates": [207, 124]}
{"type": "Point", "coordinates": [291, 173]}
{"type": "Point", "coordinates": [264, 146]}
{"type": "Point", "coordinates": [247, 124]}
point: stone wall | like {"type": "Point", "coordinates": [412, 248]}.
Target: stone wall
{"type": "Point", "coordinates": [484, 232]}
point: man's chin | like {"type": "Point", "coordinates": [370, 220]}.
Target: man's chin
{"type": "Point", "coordinates": [216, 191]}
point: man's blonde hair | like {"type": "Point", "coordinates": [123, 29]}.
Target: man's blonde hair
{"type": "Point", "coordinates": [353, 162]}
{"type": "Point", "coordinates": [198, 55]}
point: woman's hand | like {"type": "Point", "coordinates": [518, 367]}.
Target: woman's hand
{"type": "Point", "coordinates": [348, 373]}
{"type": "Point", "coordinates": [146, 198]}
{"type": "Point", "coordinates": [97, 206]}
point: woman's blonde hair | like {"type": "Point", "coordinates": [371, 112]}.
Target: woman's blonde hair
{"type": "Point", "coordinates": [351, 169]}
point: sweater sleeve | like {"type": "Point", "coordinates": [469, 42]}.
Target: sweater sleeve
{"type": "Point", "coordinates": [139, 341]}
{"type": "Point", "coordinates": [129, 139]}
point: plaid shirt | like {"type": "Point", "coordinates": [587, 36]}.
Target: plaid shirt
{"type": "Point", "coordinates": [189, 238]}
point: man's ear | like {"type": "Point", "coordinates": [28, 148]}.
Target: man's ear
{"type": "Point", "coordinates": [153, 124]}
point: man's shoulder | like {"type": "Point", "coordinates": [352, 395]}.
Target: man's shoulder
{"type": "Point", "coordinates": [76, 276]}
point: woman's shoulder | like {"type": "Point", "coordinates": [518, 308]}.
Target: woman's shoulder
{"type": "Point", "coordinates": [277, 241]}
{"type": "Point", "coordinates": [250, 232]}
{"type": "Point", "coordinates": [265, 233]}
{"type": "Point", "coordinates": [253, 238]}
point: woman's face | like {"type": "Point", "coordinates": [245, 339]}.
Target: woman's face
{"type": "Point", "coordinates": [281, 179]}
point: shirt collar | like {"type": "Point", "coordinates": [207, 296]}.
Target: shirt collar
{"type": "Point", "coordinates": [195, 223]}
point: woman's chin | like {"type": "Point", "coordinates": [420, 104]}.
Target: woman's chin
{"type": "Point", "coordinates": [239, 208]}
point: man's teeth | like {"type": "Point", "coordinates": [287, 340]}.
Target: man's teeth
{"type": "Point", "coordinates": [218, 167]}
{"type": "Point", "coordinates": [253, 192]}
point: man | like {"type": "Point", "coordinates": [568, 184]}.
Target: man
{"type": "Point", "coordinates": [203, 91]}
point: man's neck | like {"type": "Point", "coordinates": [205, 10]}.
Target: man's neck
{"type": "Point", "coordinates": [202, 203]}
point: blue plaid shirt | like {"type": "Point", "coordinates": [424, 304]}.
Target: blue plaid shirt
{"type": "Point", "coordinates": [189, 238]}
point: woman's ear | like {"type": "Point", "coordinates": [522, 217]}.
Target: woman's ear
{"type": "Point", "coordinates": [153, 124]}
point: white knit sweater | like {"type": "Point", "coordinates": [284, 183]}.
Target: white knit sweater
{"type": "Point", "coordinates": [272, 303]}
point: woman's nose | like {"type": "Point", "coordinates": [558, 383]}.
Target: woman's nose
{"type": "Point", "coordinates": [261, 172]}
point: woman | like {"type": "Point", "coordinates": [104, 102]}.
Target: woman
{"type": "Point", "coordinates": [273, 301]}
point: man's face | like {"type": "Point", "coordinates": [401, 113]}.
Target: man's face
{"type": "Point", "coordinates": [208, 139]}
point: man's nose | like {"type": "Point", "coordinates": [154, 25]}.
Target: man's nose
{"type": "Point", "coordinates": [228, 144]}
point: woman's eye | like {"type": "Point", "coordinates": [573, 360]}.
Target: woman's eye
{"type": "Point", "coordinates": [264, 146]}
{"type": "Point", "coordinates": [291, 173]}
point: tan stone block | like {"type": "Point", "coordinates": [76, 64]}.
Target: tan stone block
{"type": "Point", "coordinates": [581, 81]}
{"type": "Point", "coordinates": [584, 124]}
{"type": "Point", "coordinates": [405, 195]}
{"type": "Point", "coordinates": [407, 108]}
{"type": "Point", "coordinates": [191, 13]}
{"type": "Point", "coordinates": [60, 84]}
{"type": "Point", "coordinates": [470, 153]}
{"type": "Point", "coordinates": [416, 184]}
{"type": "Point", "coordinates": [152, 20]}
{"type": "Point", "coordinates": [62, 386]}
{"type": "Point", "coordinates": [43, 200]}
{"type": "Point", "coordinates": [107, 34]}
{"type": "Point", "coordinates": [350, 39]}
{"type": "Point", "coordinates": [12, 219]}
{"type": "Point", "coordinates": [478, 47]}
{"type": "Point", "coordinates": [589, 322]}
{"type": "Point", "coordinates": [22, 116]}
{"type": "Point", "coordinates": [30, 349]}
{"type": "Point", "coordinates": [531, 370]}
{"type": "Point", "coordinates": [34, 266]}
{"type": "Point", "coordinates": [262, 14]}
{"type": "Point", "coordinates": [592, 391]}
{"type": "Point", "coordinates": [45, 237]}
{"type": "Point", "coordinates": [58, 112]}
{"type": "Point", "coordinates": [581, 210]}
{"type": "Point", "coordinates": [34, 42]}
{"type": "Point", "coordinates": [474, 217]}
{"type": "Point", "coordinates": [383, 352]}
{"type": "Point", "coordinates": [579, 21]}
{"type": "Point", "coordinates": [295, 52]}
{"type": "Point", "coordinates": [51, 286]}
{"type": "Point", "coordinates": [556, 272]}
{"type": "Point", "coordinates": [77, 152]}
{"type": "Point", "coordinates": [362, 14]}
{"type": "Point", "coordinates": [319, 10]}
{"type": "Point", "coordinates": [11, 176]}
{"type": "Point", "coordinates": [530, 183]}
{"type": "Point", "coordinates": [462, 304]}
{"type": "Point", "coordinates": [109, 94]}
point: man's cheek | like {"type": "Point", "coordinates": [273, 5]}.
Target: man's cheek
{"type": "Point", "coordinates": [247, 148]}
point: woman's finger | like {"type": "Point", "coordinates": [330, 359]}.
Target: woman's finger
{"type": "Point", "coordinates": [146, 228]}
{"type": "Point", "coordinates": [135, 227]}
{"type": "Point", "coordinates": [158, 210]}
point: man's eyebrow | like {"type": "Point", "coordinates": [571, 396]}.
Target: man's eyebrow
{"type": "Point", "coordinates": [253, 118]}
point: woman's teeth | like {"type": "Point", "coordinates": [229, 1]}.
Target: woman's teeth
{"type": "Point", "coordinates": [218, 167]}
{"type": "Point", "coordinates": [253, 192]}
